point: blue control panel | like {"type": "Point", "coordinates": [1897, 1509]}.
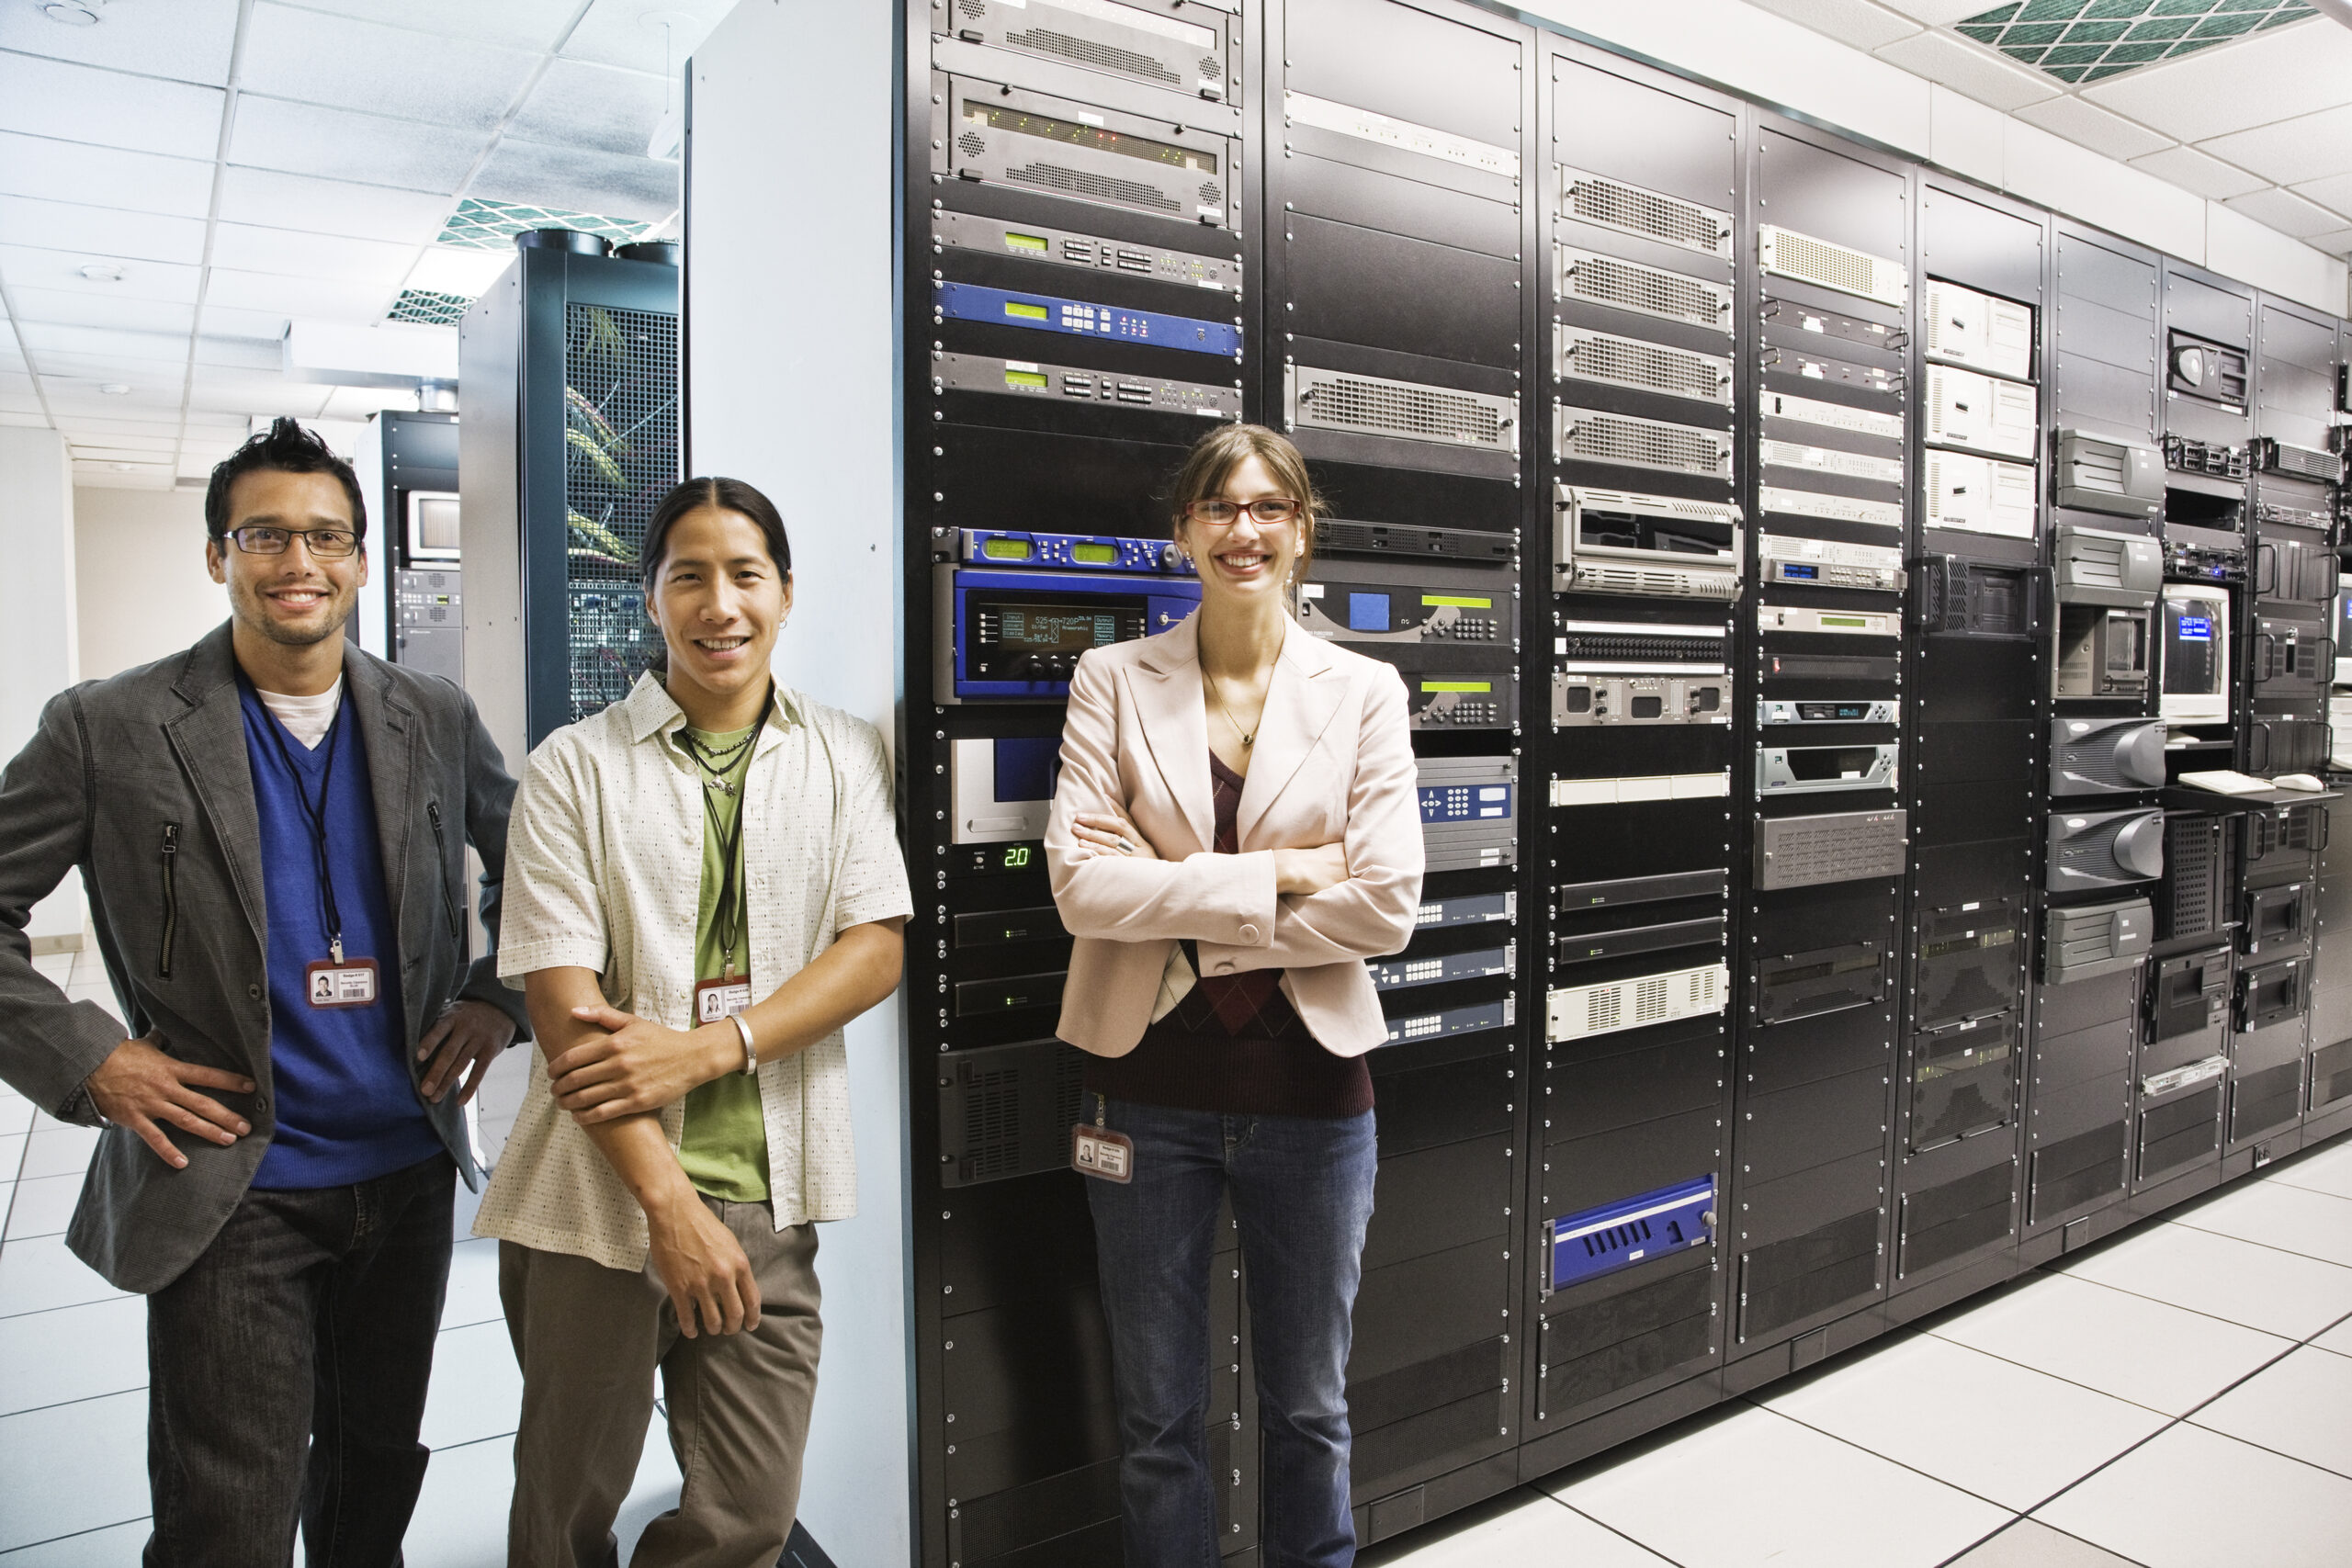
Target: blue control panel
{"type": "Point", "coordinates": [1017, 636]}
{"type": "Point", "coordinates": [1466, 802]}
{"type": "Point", "coordinates": [1052, 313]}
{"type": "Point", "coordinates": [1632, 1231]}
{"type": "Point", "coordinates": [1080, 552]}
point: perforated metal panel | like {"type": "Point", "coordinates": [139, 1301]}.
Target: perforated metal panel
{"type": "Point", "coordinates": [621, 457]}
{"type": "Point", "coordinates": [1411, 411]}
{"type": "Point", "coordinates": [1614, 204]}
{"type": "Point", "coordinates": [1646, 290]}
{"type": "Point", "coordinates": [1654, 368]}
{"type": "Point", "coordinates": [1848, 271]}
{"type": "Point", "coordinates": [1588, 435]}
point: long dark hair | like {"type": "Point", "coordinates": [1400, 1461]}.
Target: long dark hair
{"type": "Point", "coordinates": [726, 495]}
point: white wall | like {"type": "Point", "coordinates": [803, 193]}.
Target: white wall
{"type": "Point", "coordinates": [793, 389]}
{"type": "Point", "coordinates": [142, 589]}
{"type": "Point", "coordinates": [1779, 60]}
{"type": "Point", "coordinates": [37, 615]}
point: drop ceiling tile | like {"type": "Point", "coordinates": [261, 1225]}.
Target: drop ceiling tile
{"type": "Point", "coordinates": [2335, 243]}
{"type": "Point", "coordinates": [305, 139]}
{"type": "Point", "coordinates": [1979, 73]}
{"type": "Point", "coordinates": [2309, 147]}
{"type": "Point", "coordinates": [276, 200]}
{"type": "Point", "coordinates": [99, 428]}
{"type": "Point", "coordinates": [453, 269]}
{"type": "Point", "coordinates": [123, 476]}
{"type": "Point", "coordinates": [29, 267]}
{"type": "Point", "coordinates": [522, 24]}
{"type": "Point", "coordinates": [248, 396]}
{"type": "Point", "coordinates": [317, 58]}
{"type": "Point", "coordinates": [189, 41]}
{"type": "Point", "coordinates": [222, 320]}
{"type": "Point", "coordinates": [73, 398]}
{"type": "Point", "coordinates": [16, 383]}
{"type": "Point", "coordinates": [75, 307]}
{"type": "Point", "coordinates": [2293, 71]}
{"type": "Point", "coordinates": [104, 176]}
{"type": "Point", "coordinates": [62, 225]}
{"type": "Point", "coordinates": [335, 299]}
{"type": "Point", "coordinates": [626, 32]}
{"type": "Point", "coordinates": [2092, 127]}
{"type": "Point", "coordinates": [579, 178]}
{"type": "Point", "coordinates": [49, 98]}
{"type": "Point", "coordinates": [21, 403]}
{"type": "Point", "coordinates": [2199, 174]}
{"type": "Point", "coordinates": [133, 446]}
{"type": "Point", "coordinates": [2286, 213]}
{"type": "Point", "coordinates": [580, 105]}
{"type": "Point", "coordinates": [1857, 23]}
{"type": "Point", "coordinates": [48, 337]}
{"type": "Point", "coordinates": [1937, 12]}
{"type": "Point", "coordinates": [265, 354]}
{"type": "Point", "coordinates": [2334, 193]}
{"type": "Point", "coordinates": [289, 251]}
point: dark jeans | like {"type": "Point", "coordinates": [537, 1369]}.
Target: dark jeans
{"type": "Point", "coordinates": [1301, 1189]}
{"type": "Point", "coordinates": [287, 1374]}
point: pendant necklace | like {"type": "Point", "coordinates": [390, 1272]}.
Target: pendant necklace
{"type": "Point", "coordinates": [1249, 737]}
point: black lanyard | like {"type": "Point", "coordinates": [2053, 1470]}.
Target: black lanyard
{"type": "Point", "coordinates": [726, 918]}
{"type": "Point", "coordinates": [315, 815]}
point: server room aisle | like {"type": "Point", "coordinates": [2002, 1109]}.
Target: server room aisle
{"type": "Point", "coordinates": [2173, 1397]}
{"type": "Point", "coordinates": [73, 1374]}
{"type": "Point", "coordinates": [2176, 1396]}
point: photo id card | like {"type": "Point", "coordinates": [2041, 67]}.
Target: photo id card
{"type": "Point", "coordinates": [350, 984]}
{"type": "Point", "coordinates": [1102, 1154]}
{"type": "Point", "coordinates": [716, 999]}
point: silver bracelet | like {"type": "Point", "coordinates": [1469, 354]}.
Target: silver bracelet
{"type": "Point", "coordinates": [750, 1049]}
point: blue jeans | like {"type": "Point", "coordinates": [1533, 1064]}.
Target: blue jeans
{"type": "Point", "coordinates": [1302, 1194]}
{"type": "Point", "coordinates": [288, 1370]}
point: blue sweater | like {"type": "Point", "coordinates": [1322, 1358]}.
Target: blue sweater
{"type": "Point", "coordinates": [348, 1110]}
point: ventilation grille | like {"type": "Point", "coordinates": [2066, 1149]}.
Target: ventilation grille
{"type": "Point", "coordinates": [1626, 285]}
{"type": "Point", "coordinates": [620, 407]}
{"type": "Point", "coordinates": [1823, 460]}
{"type": "Point", "coordinates": [1588, 435]}
{"type": "Point", "coordinates": [1590, 577]}
{"type": "Point", "coordinates": [1628, 362]}
{"type": "Point", "coordinates": [1078, 182]}
{"type": "Point", "coordinates": [1086, 51]}
{"type": "Point", "coordinates": [1833, 266]}
{"type": "Point", "coordinates": [1374, 405]}
{"type": "Point", "coordinates": [1577, 1011]}
{"type": "Point", "coordinates": [1612, 204]}
{"type": "Point", "coordinates": [2298, 462]}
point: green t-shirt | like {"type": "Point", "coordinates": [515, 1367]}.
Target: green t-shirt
{"type": "Point", "coordinates": [725, 1147]}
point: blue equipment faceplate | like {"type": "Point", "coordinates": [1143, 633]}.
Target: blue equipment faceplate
{"type": "Point", "coordinates": [1052, 313]}
{"type": "Point", "coordinates": [1063, 552]}
{"type": "Point", "coordinates": [1165, 601]}
{"type": "Point", "coordinates": [1467, 802]}
{"type": "Point", "coordinates": [1632, 1231]}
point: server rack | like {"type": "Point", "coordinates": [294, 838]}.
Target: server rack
{"type": "Point", "coordinates": [1859, 486]}
{"type": "Point", "coordinates": [423, 586]}
{"type": "Point", "coordinates": [570, 434]}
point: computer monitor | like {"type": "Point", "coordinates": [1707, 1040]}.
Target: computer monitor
{"type": "Point", "coordinates": [432, 526]}
{"type": "Point", "coordinates": [2342, 617]}
{"type": "Point", "coordinates": [2196, 642]}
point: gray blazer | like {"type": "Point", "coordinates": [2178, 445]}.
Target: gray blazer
{"type": "Point", "coordinates": [142, 781]}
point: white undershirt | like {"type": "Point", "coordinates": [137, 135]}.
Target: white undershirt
{"type": "Point", "coordinates": [306, 720]}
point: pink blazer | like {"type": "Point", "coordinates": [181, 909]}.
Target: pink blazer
{"type": "Point", "coordinates": [1333, 764]}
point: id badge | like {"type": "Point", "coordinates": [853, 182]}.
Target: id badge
{"type": "Point", "coordinates": [350, 984]}
{"type": "Point", "coordinates": [716, 1000]}
{"type": "Point", "coordinates": [1100, 1152]}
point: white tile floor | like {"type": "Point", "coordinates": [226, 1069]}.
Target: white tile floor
{"type": "Point", "coordinates": [2175, 1397]}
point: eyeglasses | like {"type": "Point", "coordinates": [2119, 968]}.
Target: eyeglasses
{"type": "Point", "coordinates": [324, 543]}
{"type": "Point", "coordinates": [1218, 512]}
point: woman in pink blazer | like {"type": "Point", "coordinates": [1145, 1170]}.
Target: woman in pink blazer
{"type": "Point", "coordinates": [1235, 831]}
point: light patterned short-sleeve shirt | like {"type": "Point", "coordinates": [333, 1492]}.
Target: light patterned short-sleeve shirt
{"type": "Point", "coordinates": [604, 869]}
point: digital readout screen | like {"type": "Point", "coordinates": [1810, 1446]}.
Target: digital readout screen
{"type": "Point", "coordinates": [2193, 628]}
{"type": "Point", "coordinates": [1040, 628]}
{"type": "Point", "coordinates": [1094, 554]}
{"type": "Point", "coordinates": [999, 116]}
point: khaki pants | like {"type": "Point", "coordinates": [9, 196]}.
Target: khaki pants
{"type": "Point", "coordinates": [589, 1340]}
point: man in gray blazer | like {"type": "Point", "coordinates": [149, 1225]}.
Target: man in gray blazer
{"type": "Point", "coordinates": [271, 829]}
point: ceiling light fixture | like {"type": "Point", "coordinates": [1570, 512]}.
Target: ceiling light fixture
{"type": "Point", "coordinates": [72, 13]}
{"type": "Point", "coordinates": [115, 390]}
{"type": "Point", "coordinates": [101, 272]}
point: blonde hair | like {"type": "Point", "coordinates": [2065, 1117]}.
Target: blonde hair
{"type": "Point", "coordinates": [1213, 458]}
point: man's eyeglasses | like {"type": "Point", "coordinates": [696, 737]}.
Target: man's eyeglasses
{"type": "Point", "coordinates": [1218, 512]}
{"type": "Point", "coordinates": [324, 543]}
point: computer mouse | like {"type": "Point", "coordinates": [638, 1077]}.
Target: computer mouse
{"type": "Point", "coordinates": [2297, 781]}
